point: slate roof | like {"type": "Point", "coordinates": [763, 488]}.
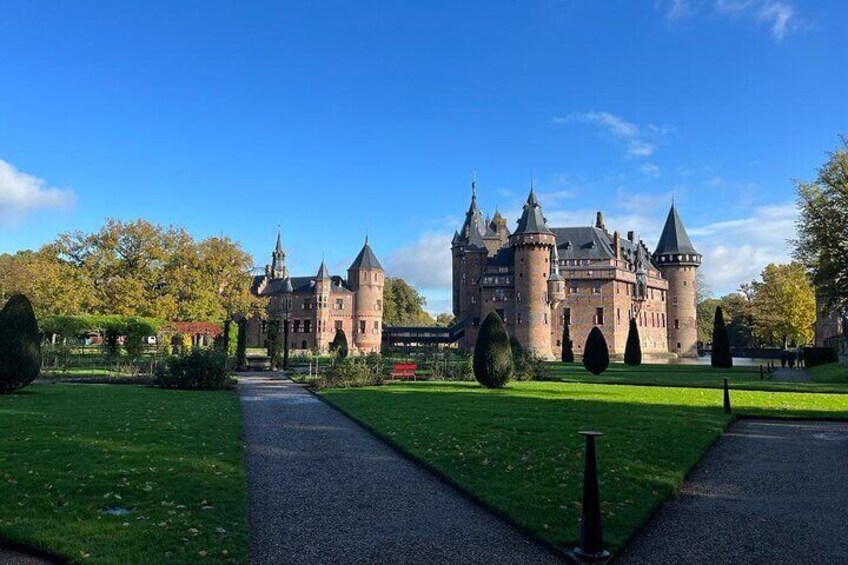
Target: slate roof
{"type": "Point", "coordinates": [674, 238]}
{"type": "Point", "coordinates": [531, 220]}
{"type": "Point", "coordinates": [366, 259]}
{"type": "Point", "coordinates": [595, 244]}
{"type": "Point", "coordinates": [296, 285]}
{"type": "Point", "coordinates": [323, 271]}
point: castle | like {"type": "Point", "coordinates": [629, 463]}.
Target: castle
{"type": "Point", "coordinates": [315, 307]}
{"type": "Point", "coordinates": [539, 278]}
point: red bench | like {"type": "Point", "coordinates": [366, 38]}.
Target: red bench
{"type": "Point", "coordinates": [404, 371]}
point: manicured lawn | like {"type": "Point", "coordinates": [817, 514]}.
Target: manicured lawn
{"type": "Point", "coordinates": [517, 449]}
{"type": "Point", "coordinates": [704, 376]}
{"type": "Point", "coordinates": [172, 458]}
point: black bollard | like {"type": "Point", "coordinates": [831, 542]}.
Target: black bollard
{"type": "Point", "coordinates": [761, 371]}
{"type": "Point", "coordinates": [726, 398]}
{"type": "Point", "coordinates": [591, 539]}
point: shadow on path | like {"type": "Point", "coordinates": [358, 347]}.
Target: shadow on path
{"type": "Point", "coordinates": [321, 489]}
{"type": "Point", "coordinates": [769, 492]}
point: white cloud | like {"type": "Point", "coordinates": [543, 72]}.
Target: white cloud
{"type": "Point", "coordinates": [21, 193]}
{"type": "Point", "coordinates": [426, 263]}
{"type": "Point", "coordinates": [778, 15]}
{"type": "Point", "coordinates": [650, 169]}
{"type": "Point", "coordinates": [639, 143]}
{"type": "Point", "coordinates": [736, 251]}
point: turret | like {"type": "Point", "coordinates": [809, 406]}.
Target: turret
{"type": "Point", "coordinates": [474, 257]}
{"type": "Point", "coordinates": [473, 222]}
{"type": "Point", "coordinates": [277, 269]}
{"type": "Point", "coordinates": [323, 282]}
{"type": "Point", "coordinates": [366, 278]}
{"type": "Point", "coordinates": [532, 241]}
{"type": "Point", "coordinates": [556, 282]}
{"type": "Point", "coordinates": [678, 261]}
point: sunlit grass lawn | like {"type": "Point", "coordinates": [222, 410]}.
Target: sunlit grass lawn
{"type": "Point", "coordinates": [172, 458]}
{"type": "Point", "coordinates": [517, 449]}
{"type": "Point", "coordinates": [826, 378]}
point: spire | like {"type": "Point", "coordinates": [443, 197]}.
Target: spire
{"type": "Point", "coordinates": [279, 246]}
{"type": "Point", "coordinates": [323, 272]}
{"type": "Point", "coordinates": [555, 275]}
{"type": "Point", "coordinates": [366, 259]}
{"type": "Point", "coordinates": [674, 246]}
{"type": "Point", "coordinates": [278, 259]}
{"type": "Point", "coordinates": [532, 220]}
{"type": "Point", "coordinates": [473, 217]}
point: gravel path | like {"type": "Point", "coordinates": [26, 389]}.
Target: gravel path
{"type": "Point", "coordinates": [10, 557]}
{"type": "Point", "coordinates": [768, 492]}
{"type": "Point", "coordinates": [787, 374]}
{"type": "Point", "coordinates": [323, 490]}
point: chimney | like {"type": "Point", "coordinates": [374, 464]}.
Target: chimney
{"type": "Point", "coordinates": [631, 235]}
{"type": "Point", "coordinates": [616, 244]}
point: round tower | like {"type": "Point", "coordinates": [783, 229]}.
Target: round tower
{"type": "Point", "coordinates": [366, 278]}
{"type": "Point", "coordinates": [323, 284]}
{"type": "Point", "coordinates": [676, 258]}
{"type": "Point", "coordinates": [473, 266]}
{"type": "Point", "coordinates": [532, 241]}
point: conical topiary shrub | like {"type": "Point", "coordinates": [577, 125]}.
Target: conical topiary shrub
{"type": "Point", "coordinates": [20, 344]}
{"type": "Point", "coordinates": [595, 353]}
{"type": "Point", "coordinates": [493, 365]}
{"type": "Point", "coordinates": [339, 344]}
{"type": "Point", "coordinates": [633, 348]}
{"type": "Point", "coordinates": [720, 357]}
{"type": "Point", "coordinates": [567, 347]}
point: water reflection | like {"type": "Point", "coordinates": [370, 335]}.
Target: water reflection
{"type": "Point", "coordinates": [705, 360]}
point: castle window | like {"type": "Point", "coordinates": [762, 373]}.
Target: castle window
{"type": "Point", "coordinates": [296, 326]}
{"type": "Point", "coordinates": [677, 325]}
{"type": "Point", "coordinates": [476, 322]}
{"type": "Point", "coordinates": [518, 297]}
{"type": "Point", "coordinates": [376, 326]}
{"type": "Point", "coordinates": [303, 344]}
{"type": "Point", "coordinates": [362, 326]}
{"type": "Point", "coordinates": [599, 316]}
{"type": "Point", "coordinates": [473, 299]}
{"type": "Point", "coordinates": [339, 303]}
{"type": "Point", "coordinates": [338, 325]}
{"type": "Point", "coordinates": [546, 318]}
{"type": "Point", "coordinates": [518, 318]}
{"type": "Point", "coordinates": [596, 287]}
{"type": "Point", "coordinates": [685, 283]}
{"type": "Point", "coordinates": [674, 301]}
{"type": "Point", "coordinates": [663, 319]}
{"type": "Point", "coordinates": [307, 326]}
{"type": "Point", "coordinates": [618, 315]}
{"type": "Point", "coordinates": [678, 345]}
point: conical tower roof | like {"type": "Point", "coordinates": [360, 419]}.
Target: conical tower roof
{"type": "Point", "coordinates": [674, 238]}
{"type": "Point", "coordinates": [532, 220]}
{"type": "Point", "coordinates": [366, 259]}
{"type": "Point", "coordinates": [323, 272]}
{"type": "Point", "coordinates": [279, 246]}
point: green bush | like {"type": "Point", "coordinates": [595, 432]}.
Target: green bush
{"type": "Point", "coordinates": [458, 368]}
{"type": "Point", "coordinates": [339, 344]}
{"type": "Point", "coordinates": [493, 366]}
{"type": "Point", "coordinates": [273, 341]}
{"type": "Point", "coordinates": [814, 356]}
{"type": "Point", "coordinates": [347, 372]}
{"type": "Point", "coordinates": [528, 366]}
{"type": "Point", "coordinates": [202, 369]}
{"type": "Point", "coordinates": [720, 357]}
{"type": "Point", "coordinates": [633, 348]}
{"type": "Point", "coordinates": [20, 344]}
{"type": "Point", "coordinates": [567, 345]}
{"type": "Point", "coordinates": [596, 353]}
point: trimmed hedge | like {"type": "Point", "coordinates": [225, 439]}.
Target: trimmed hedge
{"type": "Point", "coordinates": [633, 348]}
{"type": "Point", "coordinates": [814, 356]}
{"type": "Point", "coordinates": [339, 344]}
{"type": "Point", "coordinates": [493, 364]}
{"type": "Point", "coordinates": [202, 369]}
{"type": "Point", "coordinates": [596, 353]}
{"type": "Point", "coordinates": [20, 344]}
{"type": "Point", "coordinates": [567, 345]}
{"type": "Point", "coordinates": [720, 358]}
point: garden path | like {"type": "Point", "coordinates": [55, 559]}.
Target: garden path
{"type": "Point", "coordinates": [321, 489]}
{"type": "Point", "coordinates": [11, 557]}
{"type": "Point", "coordinates": [768, 492]}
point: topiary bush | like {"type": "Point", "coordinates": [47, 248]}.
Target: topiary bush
{"type": "Point", "coordinates": [596, 353]}
{"type": "Point", "coordinates": [20, 344]}
{"type": "Point", "coordinates": [633, 348]}
{"type": "Point", "coordinates": [567, 346]}
{"type": "Point", "coordinates": [339, 344]}
{"type": "Point", "coordinates": [720, 357]}
{"type": "Point", "coordinates": [202, 369]}
{"type": "Point", "coordinates": [493, 365]}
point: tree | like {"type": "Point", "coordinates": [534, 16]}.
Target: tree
{"type": "Point", "coordinates": [720, 357]}
{"type": "Point", "coordinates": [596, 352]}
{"type": "Point", "coordinates": [273, 337]}
{"type": "Point", "coordinates": [403, 305]}
{"type": "Point", "coordinates": [241, 345]}
{"type": "Point", "coordinates": [493, 364]}
{"type": "Point", "coordinates": [822, 225]}
{"type": "Point", "coordinates": [20, 344]}
{"type": "Point", "coordinates": [739, 322]}
{"type": "Point", "coordinates": [783, 305]}
{"type": "Point", "coordinates": [445, 320]}
{"type": "Point", "coordinates": [567, 345]}
{"type": "Point", "coordinates": [633, 347]}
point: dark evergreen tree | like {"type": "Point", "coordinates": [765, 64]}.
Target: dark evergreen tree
{"type": "Point", "coordinates": [273, 336]}
{"type": "Point", "coordinates": [339, 344]}
{"type": "Point", "coordinates": [567, 346]}
{"type": "Point", "coordinates": [286, 324]}
{"type": "Point", "coordinates": [633, 348]}
{"type": "Point", "coordinates": [20, 344]}
{"type": "Point", "coordinates": [721, 357]}
{"type": "Point", "coordinates": [493, 364]}
{"type": "Point", "coordinates": [595, 352]}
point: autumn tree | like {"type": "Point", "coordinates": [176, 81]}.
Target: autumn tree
{"type": "Point", "coordinates": [822, 228]}
{"type": "Point", "coordinates": [403, 305]}
{"type": "Point", "coordinates": [783, 305]}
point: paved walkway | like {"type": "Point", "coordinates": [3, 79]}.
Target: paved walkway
{"type": "Point", "coordinates": [787, 374]}
{"type": "Point", "coordinates": [768, 492]}
{"type": "Point", "coordinates": [10, 557]}
{"type": "Point", "coordinates": [323, 490]}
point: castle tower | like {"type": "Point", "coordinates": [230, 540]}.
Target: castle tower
{"type": "Point", "coordinates": [532, 242]}
{"type": "Point", "coordinates": [277, 269]}
{"type": "Point", "coordinates": [556, 282]}
{"type": "Point", "coordinates": [323, 332]}
{"type": "Point", "coordinates": [473, 222]}
{"type": "Point", "coordinates": [366, 278]}
{"type": "Point", "coordinates": [474, 256]}
{"type": "Point", "coordinates": [678, 261]}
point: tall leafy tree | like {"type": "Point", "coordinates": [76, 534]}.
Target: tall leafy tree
{"type": "Point", "coordinates": [783, 305]}
{"type": "Point", "coordinates": [822, 225]}
{"type": "Point", "coordinates": [403, 305]}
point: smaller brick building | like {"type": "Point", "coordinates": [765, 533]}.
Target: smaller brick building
{"type": "Point", "coordinates": [316, 306]}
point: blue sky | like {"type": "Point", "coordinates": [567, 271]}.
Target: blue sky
{"type": "Point", "coordinates": [333, 118]}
